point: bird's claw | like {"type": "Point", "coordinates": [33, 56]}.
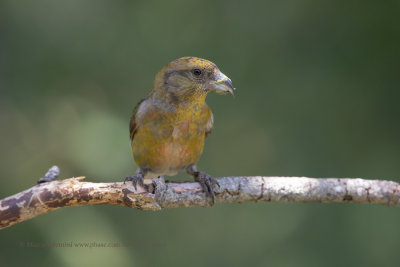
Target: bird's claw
{"type": "Point", "coordinates": [206, 182]}
{"type": "Point", "coordinates": [137, 178]}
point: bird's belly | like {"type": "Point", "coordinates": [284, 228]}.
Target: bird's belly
{"type": "Point", "coordinates": [169, 151]}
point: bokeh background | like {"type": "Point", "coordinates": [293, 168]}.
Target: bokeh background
{"type": "Point", "coordinates": [317, 95]}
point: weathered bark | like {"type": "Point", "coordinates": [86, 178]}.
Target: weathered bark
{"type": "Point", "coordinates": [155, 196]}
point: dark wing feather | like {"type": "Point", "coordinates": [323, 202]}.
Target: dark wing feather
{"type": "Point", "coordinates": [133, 125]}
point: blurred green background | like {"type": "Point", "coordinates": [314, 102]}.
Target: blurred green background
{"type": "Point", "coordinates": [317, 95]}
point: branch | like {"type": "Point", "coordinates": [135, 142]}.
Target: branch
{"type": "Point", "coordinates": [158, 195]}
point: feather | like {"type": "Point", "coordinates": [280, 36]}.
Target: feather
{"type": "Point", "coordinates": [210, 123]}
{"type": "Point", "coordinates": [133, 126]}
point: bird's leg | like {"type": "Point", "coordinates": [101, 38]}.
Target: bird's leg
{"type": "Point", "coordinates": [204, 179]}
{"type": "Point", "coordinates": [137, 177]}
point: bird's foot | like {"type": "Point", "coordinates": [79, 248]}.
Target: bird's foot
{"type": "Point", "coordinates": [206, 182]}
{"type": "Point", "coordinates": [137, 178]}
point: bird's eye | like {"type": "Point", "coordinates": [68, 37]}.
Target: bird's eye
{"type": "Point", "coordinates": [197, 72]}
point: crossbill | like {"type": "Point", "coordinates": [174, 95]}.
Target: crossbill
{"type": "Point", "coordinates": [168, 128]}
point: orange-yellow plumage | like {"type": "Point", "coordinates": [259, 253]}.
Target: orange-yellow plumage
{"type": "Point", "coordinates": [168, 128]}
{"type": "Point", "coordinates": [167, 142]}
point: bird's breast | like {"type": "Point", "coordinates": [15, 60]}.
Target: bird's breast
{"type": "Point", "coordinates": [167, 147]}
{"type": "Point", "coordinates": [180, 129]}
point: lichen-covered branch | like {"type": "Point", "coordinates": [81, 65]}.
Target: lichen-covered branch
{"type": "Point", "coordinates": [157, 195]}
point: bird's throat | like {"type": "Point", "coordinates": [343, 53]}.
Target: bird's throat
{"type": "Point", "coordinates": [182, 98]}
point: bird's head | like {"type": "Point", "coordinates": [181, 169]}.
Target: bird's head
{"type": "Point", "coordinates": [189, 78]}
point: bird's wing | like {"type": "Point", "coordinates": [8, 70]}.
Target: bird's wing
{"type": "Point", "coordinates": [133, 126]}
{"type": "Point", "coordinates": [210, 123]}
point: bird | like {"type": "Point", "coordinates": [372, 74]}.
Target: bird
{"type": "Point", "coordinates": [168, 127]}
